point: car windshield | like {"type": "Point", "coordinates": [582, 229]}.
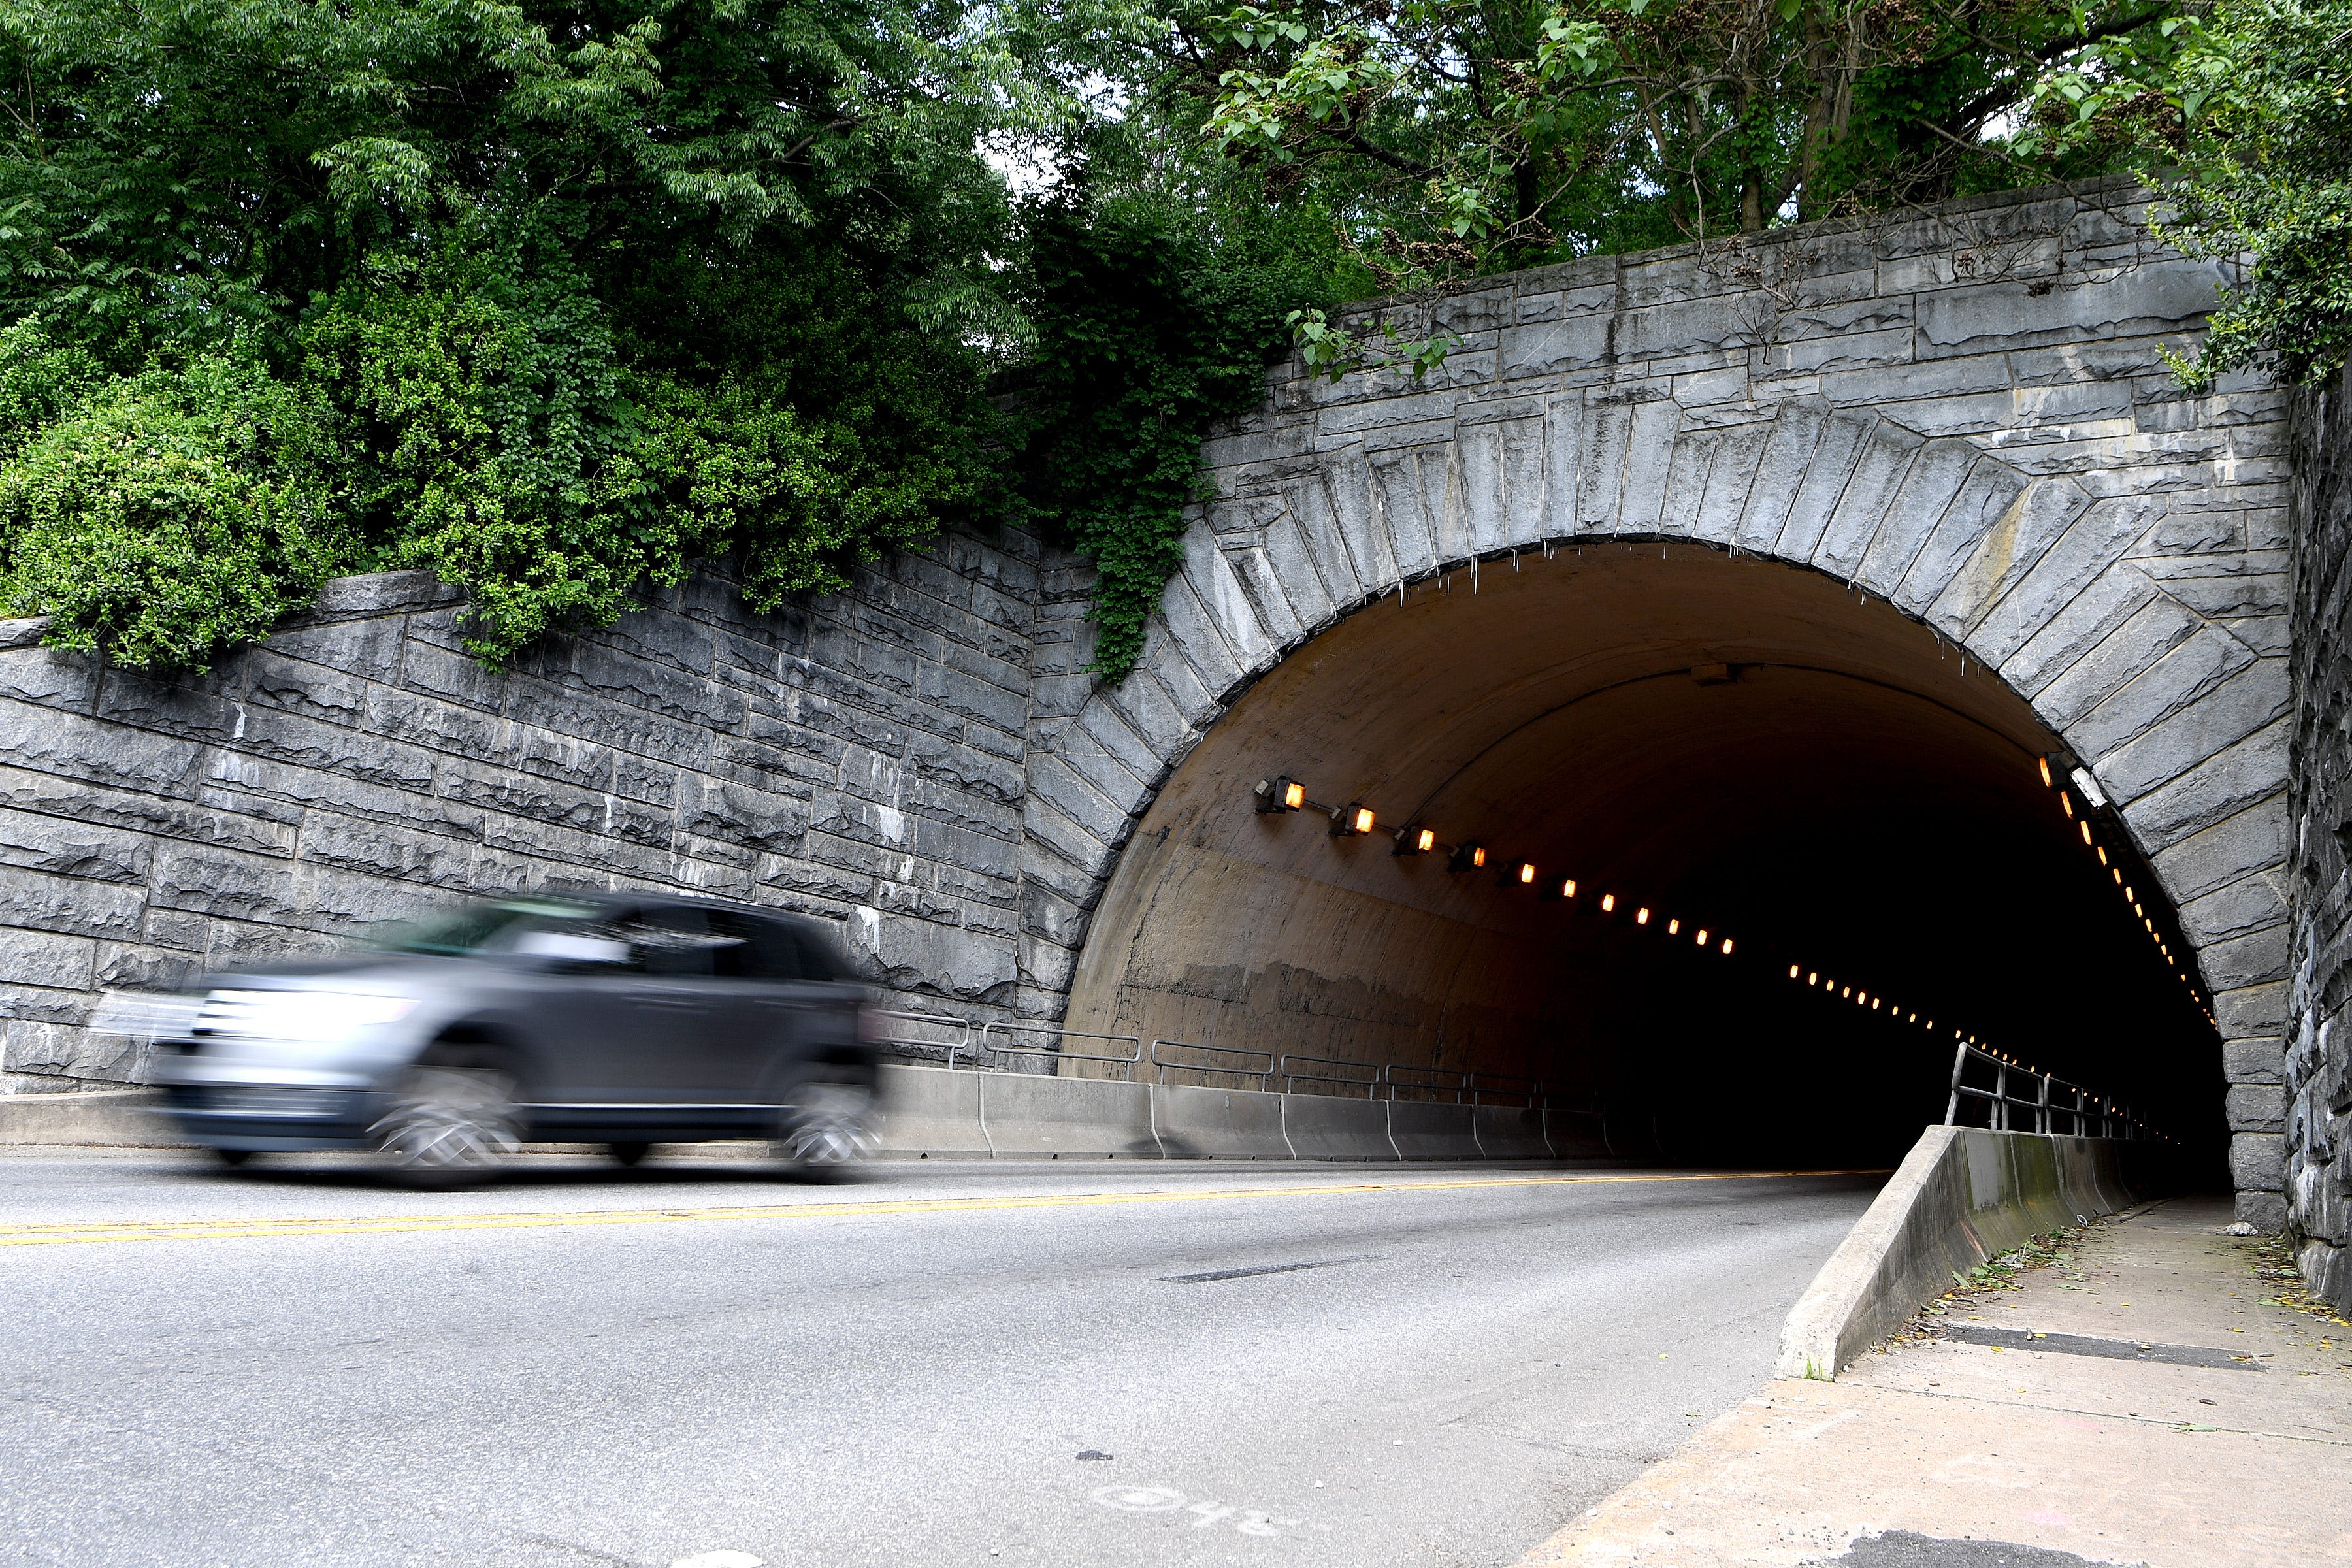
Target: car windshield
{"type": "Point", "coordinates": [491, 927]}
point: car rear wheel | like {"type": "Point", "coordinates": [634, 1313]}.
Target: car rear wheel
{"type": "Point", "coordinates": [447, 1127]}
{"type": "Point", "coordinates": [827, 1123]}
{"type": "Point", "coordinates": [627, 1153]}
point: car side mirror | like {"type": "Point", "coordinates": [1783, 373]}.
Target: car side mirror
{"type": "Point", "coordinates": [565, 948]}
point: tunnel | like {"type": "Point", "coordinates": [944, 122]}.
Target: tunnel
{"type": "Point", "coordinates": [1609, 748]}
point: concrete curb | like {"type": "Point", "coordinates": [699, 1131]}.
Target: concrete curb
{"type": "Point", "coordinates": [1962, 1195]}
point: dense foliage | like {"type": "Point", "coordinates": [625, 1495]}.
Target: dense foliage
{"type": "Point", "coordinates": [560, 298]}
{"type": "Point", "coordinates": [2265, 169]}
{"type": "Point", "coordinates": [1463, 134]}
{"type": "Point", "coordinates": [552, 299]}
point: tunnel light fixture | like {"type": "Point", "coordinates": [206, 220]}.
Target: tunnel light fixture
{"type": "Point", "coordinates": [1702, 936]}
{"type": "Point", "coordinates": [1527, 873]}
{"type": "Point", "coordinates": [1414, 838]}
{"type": "Point", "coordinates": [2067, 800]}
{"type": "Point", "coordinates": [1608, 902]}
{"type": "Point", "coordinates": [1468, 858]}
{"type": "Point", "coordinates": [1812, 976]}
{"type": "Point", "coordinates": [2103, 857]}
{"type": "Point", "coordinates": [2047, 777]}
{"type": "Point", "coordinates": [1280, 792]}
{"type": "Point", "coordinates": [1792, 971]}
{"type": "Point", "coordinates": [1568, 887]}
{"type": "Point", "coordinates": [1847, 992]}
{"type": "Point", "coordinates": [1674, 928]}
{"type": "Point", "coordinates": [1352, 820]}
{"type": "Point", "coordinates": [1641, 917]}
{"type": "Point", "coordinates": [1726, 947]}
{"type": "Point", "coordinates": [2086, 833]}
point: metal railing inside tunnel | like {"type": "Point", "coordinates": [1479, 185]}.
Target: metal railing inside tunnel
{"type": "Point", "coordinates": [951, 1042]}
{"type": "Point", "coordinates": [2041, 1102]}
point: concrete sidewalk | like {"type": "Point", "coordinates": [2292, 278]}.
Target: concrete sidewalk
{"type": "Point", "coordinates": [2226, 1441]}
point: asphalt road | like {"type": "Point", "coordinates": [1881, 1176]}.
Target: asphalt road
{"type": "Point", "coordinates": [1044, 1363]}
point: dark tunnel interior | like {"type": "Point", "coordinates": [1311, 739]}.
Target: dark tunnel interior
{"type": "Point", "coordinates": [1730, 743]}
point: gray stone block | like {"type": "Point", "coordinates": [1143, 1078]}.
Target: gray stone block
{"type": "Point", "coordinates": [46, 958]}
{"type": "Point", "coordinates": [2239, 707]}
{"type": "Point", "coordinates": [40, 901]}
{"type": "Point", "coordinates": [2258, 1162]}
{"type": "Point", "coordinates": [2252, 1010]}
{"type": "Point", "coordinates": [2251, 841]}
{"type": "Point", "coordinates": [2066, 602]}
{"type": "Point", "coordinates": [2241, 909]}
{"type": "Point", "coordinates": [2265, 1211]}
{"type": "Point", "coordinates": [29, 673]}
{"type": "Point", "coordinates": [2258, 1061]}
{"type": "Point", "coordinates": [1881, 465]}
{"type": "Point", "coordinates": [65, 848]}
{"type": "Point", "coordinates": [2256, 1108]}
{"type": "Point", "coordinates": [2250, 959]}
{"type": "Point", "coordinates": [381, 594]}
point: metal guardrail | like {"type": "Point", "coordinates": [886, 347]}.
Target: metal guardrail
{"type": "Point", "coordinates": [1126, 1063]}
{"type": "Point", "coordinates": [2049, 1103]}
{"type": "Point", "coordinates": [894, 1030]}
{"type": "Point", "coordinates": [1425, 1083]}
{"type": "Point", "coordinates": [1342, 1082]}
{"type": "Point", "coordinates": [1265, 1075]}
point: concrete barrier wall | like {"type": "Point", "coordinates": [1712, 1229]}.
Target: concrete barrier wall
{"type": "Point", "coordinates": [1426, 1132]}
{"type": "Point", "coordinates": [1217, 1124]}
{"type": "Point", "coordinates": [1575, 1135]}
{"type": "Point", "coordinates": [929, 1111]}
{"type": "Point", "coordinates": [1321, 1126]}
{"type": "Point", "coordinates": [1962, 1195]}
{"type": "Point", "coordinates": [1064, 1117]}
{"type": "Point", "coordinates": [1509, 1132]}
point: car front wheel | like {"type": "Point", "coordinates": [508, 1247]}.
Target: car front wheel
{"type": "Point", "coordinates": [827, 1124]}
{"type": "Point", "coordinates": [447, 1127]}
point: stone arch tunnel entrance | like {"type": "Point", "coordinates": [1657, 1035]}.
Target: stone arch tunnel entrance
{"type": "Point", "coordinates": [1730, 743]}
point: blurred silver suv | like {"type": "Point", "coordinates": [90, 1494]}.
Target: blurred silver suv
{"type": "Point", "coordinates": [623, 1020]}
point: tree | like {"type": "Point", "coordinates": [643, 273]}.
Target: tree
{"type": "Point", "coordinates": [561, 297]}
{"type": "Point", "coordinates": [1458, 136]}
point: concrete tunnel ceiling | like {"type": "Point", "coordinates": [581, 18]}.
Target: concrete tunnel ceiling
{"type": "Point", "coordinates": [1732, 742]}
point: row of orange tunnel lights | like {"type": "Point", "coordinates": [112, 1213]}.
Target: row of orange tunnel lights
{"type": "Point", "coordinates": [2056, 775]}
{"type": "Point", "coordinates": [1357, 820]}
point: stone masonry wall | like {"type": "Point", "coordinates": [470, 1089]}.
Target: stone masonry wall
{"type": "Point", "coordinates": [861, 759]}
{"type": "Point", "coordinates": [2315, 1072]}
{"type": "Point", "coordinates": [1962, 412]}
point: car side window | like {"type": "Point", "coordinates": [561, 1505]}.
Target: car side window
{"type": "Point", "coordinates": [675, 943]}
{"type": "Point", "coordinates": [752, 947]}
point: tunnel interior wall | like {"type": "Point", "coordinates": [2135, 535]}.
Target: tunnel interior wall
{"type": "Point", "coordinates": [2304, 1090]}
{"type": "Point", "coordinates": [1716, 749]}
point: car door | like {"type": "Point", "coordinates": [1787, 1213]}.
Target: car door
{"type": "Point", "coordinates": [759, 962]}
{"type": "Point", "coordinates": [673, 1010]}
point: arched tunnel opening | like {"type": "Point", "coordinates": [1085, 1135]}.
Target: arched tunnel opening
{"type": "Point", "coordinates": [1675, 739]}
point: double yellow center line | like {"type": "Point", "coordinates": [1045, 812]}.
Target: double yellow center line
{"type": "Point", "coordinates": [85, 1232]}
